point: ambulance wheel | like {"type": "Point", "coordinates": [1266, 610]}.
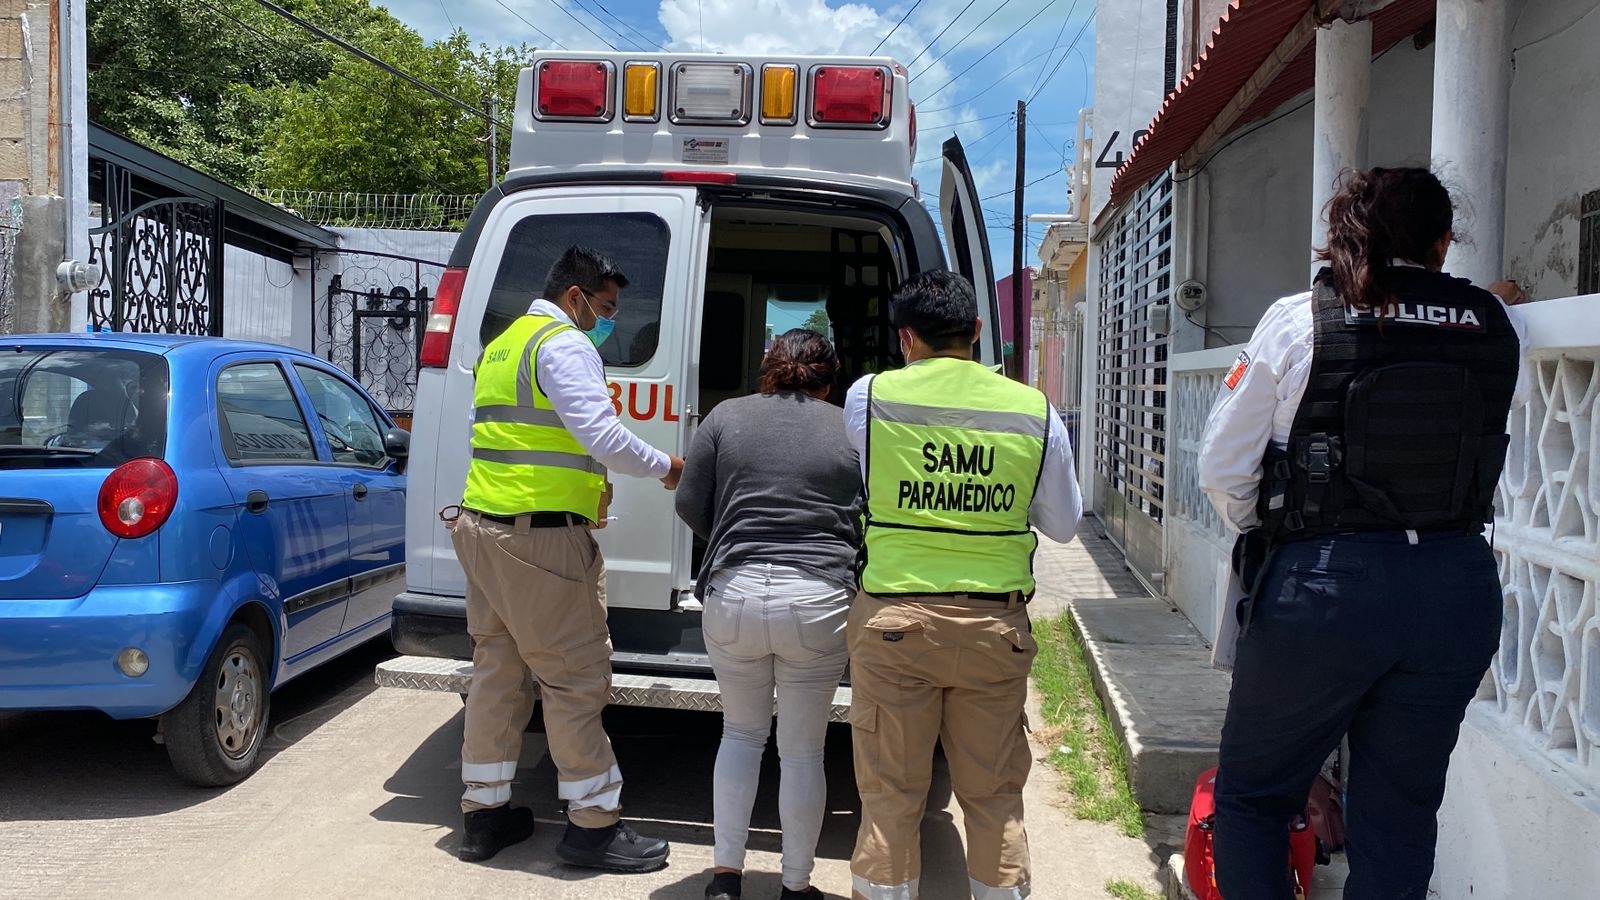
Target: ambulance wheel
{"type": "Point", "coordinates": [214, 736]}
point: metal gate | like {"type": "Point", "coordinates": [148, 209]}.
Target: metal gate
{"type": "Point", "coordinates": [371, 319]}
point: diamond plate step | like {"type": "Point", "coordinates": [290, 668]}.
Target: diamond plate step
{"type": "Point", "coordinates": [421, 673]}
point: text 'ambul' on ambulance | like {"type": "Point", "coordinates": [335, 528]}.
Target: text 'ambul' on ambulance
{"type": "Point", "coordinates": [740, 197]}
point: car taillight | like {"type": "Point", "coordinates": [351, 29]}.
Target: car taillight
{"type": "Point", "coordinates": [137, 497]}
{"type": "Point", "coordinates": [912, 122]}
{"type": "Point", "coordinates": [579, 90]}
{"type": "Point", "coordinates": [850, 96]}
{"type": "Point", "coordinates": [442, 320]}
{"type": "Point", "coordinates": [686, 177]}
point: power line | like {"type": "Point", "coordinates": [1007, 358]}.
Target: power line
{"type": "Point", "coordinates": [447, 17]}
{"type": "Point", "coordinates": [536, 28]}
{"type": "Point", "coordinates": [992, 85]}
{"type": "Point", "coordinates": [1065, 21]}
{"type": "Point", "coordinates": [885, 38]}
{"type": "Point", "coordinates": [1067, 55]}
{"type": "Point", "coordinates": [952, 48]}
{"type": "Point", "coordinates": [648, 41]}
{"type": "Point", "coordinates": [1045, 177]}
{"type": "Point", "coordinates": [986, 53]}
{"type": "Point", "coordinates": [582, 24]}
{"type": "Point", "coordinates": [348, 47]}
{"type": "Point", "coordinates": [940, 34]}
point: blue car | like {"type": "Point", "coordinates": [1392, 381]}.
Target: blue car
{"type": "Point", "coordinates": [185, 525]}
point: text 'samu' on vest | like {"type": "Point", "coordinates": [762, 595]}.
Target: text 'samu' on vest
{"type": "Point", "coordinates": [960, 482]}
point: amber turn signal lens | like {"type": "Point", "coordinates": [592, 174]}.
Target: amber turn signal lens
{"type": "Point", "coordinates": [640, 97]}
{"type": "Point", "coordinates": [778, 94]}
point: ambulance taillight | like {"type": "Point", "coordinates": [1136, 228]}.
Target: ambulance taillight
{"type": "Point", "coordinates": [575, 90]}
{"type": "Point", "coordinates": [442, 320]}
{"type": "Point", "coordinates": [850, 97]}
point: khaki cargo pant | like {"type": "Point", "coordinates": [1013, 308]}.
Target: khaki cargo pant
{"type": "Point", "coordinates": [536, 603]}
{"type": "Point", "coordinates": [949, 669]}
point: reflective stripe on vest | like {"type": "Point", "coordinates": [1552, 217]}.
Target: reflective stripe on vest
{"type": "Point", "coordinates": [949, 487]}
{"type": "Point", "coordinates": [523, 458]}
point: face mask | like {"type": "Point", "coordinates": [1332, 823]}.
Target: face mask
{"type": "Point", "coordinates": [603, 327]}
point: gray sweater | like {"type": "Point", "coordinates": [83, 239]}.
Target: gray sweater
{"type": "Point", "coordinates": [773, 479]}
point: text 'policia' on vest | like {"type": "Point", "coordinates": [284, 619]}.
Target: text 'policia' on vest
{"type": "Point", "coordinates": [523, 458]}
{"type": "Point", "coordinates": [949, 487]}
{"type": "Point", "coordinates": [1403, 423]}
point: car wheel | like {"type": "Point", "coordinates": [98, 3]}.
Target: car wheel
{"type": "Point", "coordinates": [214, 736]}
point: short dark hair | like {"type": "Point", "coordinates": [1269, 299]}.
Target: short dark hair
{"type": "Point", "coordinates": [585, 267]}
{"type": "Point", "coordinates": [800, 360]}
{"type": "Point", "coordinates": [939, 307]}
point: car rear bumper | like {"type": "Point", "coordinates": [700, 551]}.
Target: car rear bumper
{"type": "Point", "coordinates": [62, 654]}
{"type": "Point", "coordinates": [430, 625]}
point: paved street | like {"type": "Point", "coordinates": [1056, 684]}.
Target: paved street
{"type": "Point", "coordinates": [357, 798]}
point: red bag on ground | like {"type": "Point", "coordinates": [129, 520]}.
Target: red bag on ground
{"type": "Point", "coordinates": [1199, 849]}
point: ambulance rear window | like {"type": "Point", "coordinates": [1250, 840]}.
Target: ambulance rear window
{"type": "Point", "coordinates": [636, 242]}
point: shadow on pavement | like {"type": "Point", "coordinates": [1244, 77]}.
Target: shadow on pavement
{"type": "Point", "coordinates": [66, 766]}
{"type": "Point", "coordinates": [666, 758]}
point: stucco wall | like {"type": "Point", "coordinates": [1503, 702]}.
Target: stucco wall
{"type": "Point", "coordinates": [1129, 74]}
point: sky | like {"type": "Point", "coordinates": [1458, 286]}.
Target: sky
{"type": "Point", "coordinates": [970, 62]}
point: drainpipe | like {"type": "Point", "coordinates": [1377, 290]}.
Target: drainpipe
{"type": "Point", "coordinates": [1471, 120]}
{"type": "Point", "coordinates": [75, 274]}
{"type": "Point", "coordinates": [1079, 176]}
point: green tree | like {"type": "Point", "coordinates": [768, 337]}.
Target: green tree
{"type": "Point", "coordinates": [818, 322]}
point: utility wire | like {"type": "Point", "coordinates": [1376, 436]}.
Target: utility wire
{"type": "Point", "coordinates": [952, 48]}
{"type": "Point", "coordinates": [885, 38]}
{"type": "Point", "coordinates": [545, 34]}
{"type": "Point", "coordinates": [348, 47]}
{"type": "Point", "coordinates": [1065, 56]}
{"type": "Point", "coordinates": [583, 24]}
{"type": "Point", "coordinates": [648, 40]}
{"type": "Point", "coordinates": [1065, 21]}
{"type": "Point", "coordinates": [447, 17]}
{"type": "Point", "coordinates": [940, 34]}
{"type": "Point", "coordinates": [1045, 177]}
{"type": "Point", "coordinates": [976, 62]}
{"type": "Point", "coordinates": [992, 85]}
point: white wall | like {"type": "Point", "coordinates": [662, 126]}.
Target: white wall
{"type": "Point", "coordinates": [259, 298]}
{"type": "Point", "coordinates": [1129, 82]}
{"type": "Point", "coordinates": [1555, 142]}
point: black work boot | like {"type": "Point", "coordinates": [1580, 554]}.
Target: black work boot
{"type": "Point", "coordinates": [617, 848]}
{"type": "Point", "coordinates": [725, 886]}
{"type": "Point", "coordinates": [810, 893]}
{"type": "Point", "coordinates": [488, 831]}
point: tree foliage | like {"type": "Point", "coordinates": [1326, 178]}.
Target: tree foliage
{"type": "Point", "coordinates": [242, 94]}
{"type": "Point", "coordinates": [818, 322]}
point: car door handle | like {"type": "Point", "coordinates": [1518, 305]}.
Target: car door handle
{"type": "Point", "coordinates": [256, 501]}
{"type": "Point", "coordinates": [360, 490]}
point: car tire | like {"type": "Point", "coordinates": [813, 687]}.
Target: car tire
{"type": "Point", "coordinates": [214, 736]}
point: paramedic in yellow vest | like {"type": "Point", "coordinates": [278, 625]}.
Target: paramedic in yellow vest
{"type": "Point", "coordinates": [961, 465]}
{"type": "Point", "coordinates": [544, 435]}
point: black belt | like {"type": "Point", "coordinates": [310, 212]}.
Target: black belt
{"type": "Point", "coordinates": [1001, 597]}
{"type": "Point", "coordinates": [535, 520]}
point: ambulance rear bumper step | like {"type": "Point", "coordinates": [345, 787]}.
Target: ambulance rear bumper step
{"type": "Point", "coordinates": [422, 673]}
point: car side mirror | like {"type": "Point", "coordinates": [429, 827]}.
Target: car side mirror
{"type": "Point", "coordinates": [397, 445]}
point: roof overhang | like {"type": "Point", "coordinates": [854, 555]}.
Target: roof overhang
{"type": "Point", "coordinates": [1063, 243]}
{"type": "Point", "coordinates": [1261, 54]}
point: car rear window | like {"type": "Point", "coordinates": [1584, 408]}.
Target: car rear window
{"type": "Point", "coordinates": [81, 408]}
{"type": "Point", "coordinates": [636, 242]}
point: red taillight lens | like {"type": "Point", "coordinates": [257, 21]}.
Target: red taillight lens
{"type": "Point", "coordinates": [912, 121]}
{"type": "Point", "coordinates": [678, 175]}
{"type": "Point", "coordinates": [138, 497]}
{"type": "Point", "coordinates": [574, 89]}
{"type": "Point", "coordinates": [849, 95]}
{"type": "Point", "coordinates": [442, 320]}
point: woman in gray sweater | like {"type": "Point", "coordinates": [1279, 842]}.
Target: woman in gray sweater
{"type": "Point", "coordinates": [773, 487]}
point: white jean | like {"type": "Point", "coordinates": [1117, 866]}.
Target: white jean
{"type": "Point", "coordinates": [772, 628]}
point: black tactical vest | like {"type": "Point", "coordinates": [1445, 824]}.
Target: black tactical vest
{"type": "Point", "coordinates": [1403, 422]}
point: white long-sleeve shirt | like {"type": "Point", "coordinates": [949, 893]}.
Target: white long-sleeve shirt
{"type": "Point", "coordinates": [1258, 401]}
{"type": "Point", "coordinates": [1057, 504]}
{"type": "Point", "coordinates": [572, 374]}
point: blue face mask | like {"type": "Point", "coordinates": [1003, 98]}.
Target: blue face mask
{"type": "Point", "coordinates": [603, 327]}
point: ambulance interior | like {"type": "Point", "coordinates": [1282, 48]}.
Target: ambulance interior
{"type": "Point", "coordinates": [770, 270]}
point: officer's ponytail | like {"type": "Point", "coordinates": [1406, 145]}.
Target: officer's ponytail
{"type": "Point", "coordinates": [1379, 216]}
{"type": "Point", "coordinates": [800, 361]}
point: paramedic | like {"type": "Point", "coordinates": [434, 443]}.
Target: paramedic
{"type": "Point", "coordinates": [1358, 441]}
{"type": "Point", "coordinates": [958, 463]}
{"type": "Point", "coordinates": [544, 434]}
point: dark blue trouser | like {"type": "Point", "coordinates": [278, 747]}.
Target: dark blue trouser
{"type": "Point", "coordinates": [1368, 635]}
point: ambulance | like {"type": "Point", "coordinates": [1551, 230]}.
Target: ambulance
{"type": "Point", "coordinates": [741, 197]}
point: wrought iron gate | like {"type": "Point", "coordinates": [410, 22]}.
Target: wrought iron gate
{"type": "Point", "coordinates": [161, 260]}
{"type": "Point", "coordinates": [372, 316]}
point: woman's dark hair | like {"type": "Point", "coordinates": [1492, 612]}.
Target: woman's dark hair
{"type": "Point", "coordinates": [800, 360]}
{"type": "Point", "coordinates": [1381, 215]}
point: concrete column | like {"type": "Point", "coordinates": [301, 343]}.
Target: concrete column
{"type": "Point", "coordinates": [1339, 137]}
{"type": "Point", "coordinates": [1471, 117]}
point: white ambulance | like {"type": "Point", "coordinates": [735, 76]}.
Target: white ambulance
{"type": "Point", "coordinates": [741, 197]}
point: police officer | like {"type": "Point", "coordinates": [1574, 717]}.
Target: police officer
{"type": "Point", "coordinates": [544, 434]}
{"type": "Point", "coordinates": [958, 462]}
{"type": "Point", "coordinates": [1356, 444]}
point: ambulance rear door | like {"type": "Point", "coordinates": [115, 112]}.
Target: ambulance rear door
{"type": "Point", "coordinates": [655, 236]}
{"type": "Point", "coordinates": [967, 244]}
